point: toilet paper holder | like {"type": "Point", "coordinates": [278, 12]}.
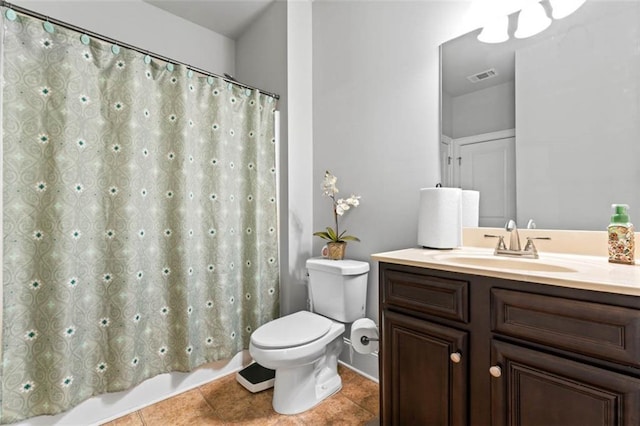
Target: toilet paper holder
{"type": "Point", "coordinates": [365, 340]}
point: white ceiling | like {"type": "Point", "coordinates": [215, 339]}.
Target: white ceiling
{"type": "Point", "coordinates": [227, 17]}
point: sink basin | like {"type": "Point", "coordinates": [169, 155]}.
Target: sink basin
{"type": "Point", "coordinates": [534, 265]}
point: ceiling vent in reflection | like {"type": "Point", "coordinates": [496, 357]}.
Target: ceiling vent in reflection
{"type": "Point", "coordinates": [484, 75]}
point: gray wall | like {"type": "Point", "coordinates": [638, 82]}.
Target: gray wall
{"type": "Point", "coordinates": [577, 127]}
{"type": "Point", "coordinates": [483, 111]}
{"type": "Point", "coordinates": [147, 27]}
{"type": "Point", "coordinates": [375, 118]}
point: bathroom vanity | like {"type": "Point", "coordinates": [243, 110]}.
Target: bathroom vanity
{"type": "Point", "coordinates": [468, 338]}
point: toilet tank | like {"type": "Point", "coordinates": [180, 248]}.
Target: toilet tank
{"type": "Point", "coordinates": [338, 288]}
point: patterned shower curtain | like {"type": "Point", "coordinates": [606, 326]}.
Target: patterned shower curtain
{"type": "Point", "coordinates": [139, 217]}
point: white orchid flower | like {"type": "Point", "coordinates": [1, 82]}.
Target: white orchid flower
{"type": "Point", "coordinates": [354, 200]}
{"type": "Point", "coordinates": [329, 184]}
{"type": "Point", "coordinates": [340, 207]}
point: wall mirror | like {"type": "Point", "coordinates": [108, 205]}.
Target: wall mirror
{"type": "Point", "coordinates": [547, 127]}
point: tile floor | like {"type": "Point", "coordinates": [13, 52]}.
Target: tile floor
{"type": "Point", "coordinates": [225, 402]}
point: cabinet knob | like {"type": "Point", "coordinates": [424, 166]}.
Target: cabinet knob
{"type": "Point", "coordinates": [495, 371]}
{"type": "Point", "coordinates": [455, 357]}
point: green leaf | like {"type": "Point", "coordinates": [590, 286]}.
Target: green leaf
{"type": "Point", "coordinates": [332, 234]}
{"type": "Point", "coordinates": [343, 237]}
{"type": "Point", "coordinates": [322, 235]}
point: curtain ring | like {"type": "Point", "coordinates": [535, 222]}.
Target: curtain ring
{"type": "Point", "coordinates": [10, 14]}
{"type": "Point", "coordinates": [48, 26]}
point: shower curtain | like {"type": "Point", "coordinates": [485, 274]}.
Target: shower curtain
{"type": "Point", "coordinates": [139, 217]}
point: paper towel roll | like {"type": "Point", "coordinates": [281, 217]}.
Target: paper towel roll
{"type": "Point", "coordinates": [440, 218]}
{"type": "Point", "coordinates": [470, 208]}
{"type": "Point", "coordinates": [364, 327]}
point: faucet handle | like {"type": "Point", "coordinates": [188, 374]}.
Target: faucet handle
{"type": "Point", "coordinates": [529, 239]}
{"type": "Point", "coordinates": [531, 224]}
{"type": "Point", "coordinates": [501, 245]}
{"type": "Point", "coordinates": [532, 248]}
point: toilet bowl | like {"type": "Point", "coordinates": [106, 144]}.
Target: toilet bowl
{"type": "Point", "coordinates": [303, 347]}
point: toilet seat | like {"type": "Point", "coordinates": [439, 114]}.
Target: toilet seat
{"type": "Point", "coordinates": [291, 330]}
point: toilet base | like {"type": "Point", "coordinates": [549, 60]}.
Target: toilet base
{"type": "Point", "coordinates": [303, 387]}
{"type": "Point", "coordinates": [308, 394]}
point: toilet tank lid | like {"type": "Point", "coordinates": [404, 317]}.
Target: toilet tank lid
{"type": "Point", "coordinates": [339, 267]}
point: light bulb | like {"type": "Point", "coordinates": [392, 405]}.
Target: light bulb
{"type": "Point", "coordinates": [495, 31]}
{"type": "Point", "coordinates": [532, 20]}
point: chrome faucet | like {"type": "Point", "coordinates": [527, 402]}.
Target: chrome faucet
{"type": "Point", "coordinates": [514, 239]}
{"type": "Point", "coordinates": [515, 249]}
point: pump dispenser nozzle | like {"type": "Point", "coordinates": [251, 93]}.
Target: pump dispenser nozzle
{"type": "Point", "coordinates": [620, 214]}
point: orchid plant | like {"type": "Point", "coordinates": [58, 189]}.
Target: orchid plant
{"type": "Point", "coordinates": [340, 207]}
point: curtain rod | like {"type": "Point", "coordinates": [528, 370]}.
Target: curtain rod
{"type": "Point", "coordinates": [42, 17]}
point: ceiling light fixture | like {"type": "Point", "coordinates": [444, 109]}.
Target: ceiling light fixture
{"type": "Point", "coordinates": [495, 31]}
{"type": "Point", "coordinates": [532, 20]}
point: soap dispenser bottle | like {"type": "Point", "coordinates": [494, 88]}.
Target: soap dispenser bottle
{"type": "Point", "coordinates": [621, 236]}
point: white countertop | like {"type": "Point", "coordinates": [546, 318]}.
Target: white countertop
{"type": "Point", "coordinates": [565, 270]}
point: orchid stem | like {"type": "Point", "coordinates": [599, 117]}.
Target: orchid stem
{"type": "Point", "coordinates": [335, 216]}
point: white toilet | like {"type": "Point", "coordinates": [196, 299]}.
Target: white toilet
{"type": "Point", "coordinates": [303, 347]}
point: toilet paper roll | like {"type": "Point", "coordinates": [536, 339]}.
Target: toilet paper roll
{"type": "Point", "coordinates": [470, 208]}
{"type": "Point", "coordinates": [364, 327]}
{"type": "Point", "coordinates": [440, 218]}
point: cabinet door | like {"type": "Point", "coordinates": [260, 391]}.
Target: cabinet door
{"type": "Point", "coordinates": [533, 388]}
{"type": "Point", "coordinates": [424, 372]}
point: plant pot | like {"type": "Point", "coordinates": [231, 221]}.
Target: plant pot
{"type": "Point", "coordinates": [335, 251]}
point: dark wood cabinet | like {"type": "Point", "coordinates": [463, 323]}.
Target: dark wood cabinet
{"type": "Point", "coordinates": [425, 372]}
{"type": "Point", "coordinates": [536, 388]}
{"type": "Point", "coordinates": [461, 349]}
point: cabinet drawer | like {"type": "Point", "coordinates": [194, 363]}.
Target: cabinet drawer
{"type": "Point", "coordinates": [443, 297]}
{"type": "Point", "coordinates": [604, 331]}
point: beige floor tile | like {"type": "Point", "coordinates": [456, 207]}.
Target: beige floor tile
{"type": "Point", "coordinates": [337, 410]}
{"type": "Point", "coordinates": [224, 391]}
{"type": "Point", "coordinates": [363, 392]}
{"type": "Point", "coordinates": [234, 404]}
{"type": "Point", "coordinates": [188, 408]}
{"type": "Point", "coordinates": [290, 421]}
{"type": "Point", "coordinates": [346, 374]}
{"type": "Point", "coordinates": [225, 402]}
